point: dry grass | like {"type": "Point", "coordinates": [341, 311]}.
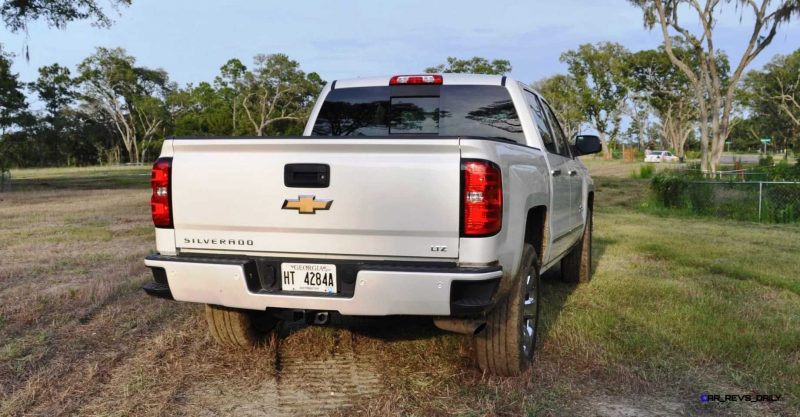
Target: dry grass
{"type": "Point", "coordinates": [677, 307]}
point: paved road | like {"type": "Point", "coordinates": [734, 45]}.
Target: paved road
{"type": "Point", "coordinates": [746, 159]}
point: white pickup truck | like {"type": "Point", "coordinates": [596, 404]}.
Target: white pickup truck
{"type": "Point", "coordinates": [434, 195]}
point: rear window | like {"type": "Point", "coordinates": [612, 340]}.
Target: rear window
{"type": "Point", "coordinates": [448, 110]}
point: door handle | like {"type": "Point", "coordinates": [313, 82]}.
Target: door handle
{"type": "Point", "coordinates": [555, 172]}
{"type": "Point", "coordinates": [572, 173]}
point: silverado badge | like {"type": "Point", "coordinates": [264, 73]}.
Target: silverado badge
{"type": "Point", "coordinates": [306, 204]}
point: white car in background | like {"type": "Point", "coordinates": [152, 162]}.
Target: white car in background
{"type": "Point", "coordinates": [660, 156]}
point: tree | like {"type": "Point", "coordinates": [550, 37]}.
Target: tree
{"type": "Point", "coordinates": [130, 97]}
{"type": "Point", "coordinates": [276, 91]}
{"type": "Point", "coordinates": [56, 89]}
{"type": "Point", "coordinates": [12, 99]}
{"type": "Point", "coordinates": [599, 72]}
{"type": "Point", "coordinates": [714, 97]}
{"type": "Point", "coordinates": [475, 65]}
{"type": "Point", "coordinates": [13, 109]}
{"type": "Point", "coordinates": [57, 13]}
{"type": "Point", "coordinates": [561, 91]}
{"type": "Point", "coordinates": [666, 90]}
{"type": "Point", "coordinates": [229, 83]}
{"type": "Point", "coordinates": [201, 110]}
{"type": "Point", "coordinates": [772, 97]}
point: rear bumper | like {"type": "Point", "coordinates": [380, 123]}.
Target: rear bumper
{"type": "Point", "coordinates": [366, 288]}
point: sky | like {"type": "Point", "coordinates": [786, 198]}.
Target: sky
{"type": "Point", "coordinates": [191, 39]}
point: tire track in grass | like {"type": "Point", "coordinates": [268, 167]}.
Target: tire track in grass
{"type": "Point", "coordinates": [318, 375]}
{"type": "Point", "coordinates": [82, 358]}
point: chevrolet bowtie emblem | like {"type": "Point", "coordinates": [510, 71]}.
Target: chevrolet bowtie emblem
{"type": "Point", "coordinates": [306, 204]}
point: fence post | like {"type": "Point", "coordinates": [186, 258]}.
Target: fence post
{"type": "Point", "coordinates": [760, 193]}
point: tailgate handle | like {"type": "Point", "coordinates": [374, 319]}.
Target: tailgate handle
{"type": "Point", "coordinates": [307, 175]}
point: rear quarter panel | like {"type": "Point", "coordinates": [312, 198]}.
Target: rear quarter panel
{"type": "Point", "coordinates": [524, 172]}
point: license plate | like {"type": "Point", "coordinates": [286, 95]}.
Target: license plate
{"type": "Point", "coordinates": [308, 277]}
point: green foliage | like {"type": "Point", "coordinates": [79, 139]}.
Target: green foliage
{"type": "Point", "coordinates": [277, 95]}
{"type": "Point", "coordinates": [563, 96]}
{"type": "Point", "coordinates": [670, 189]}
{"type": "Point", "coordinates": [781, 171]}
{"type": "Point", "coordinates": [688, 192]}
{"type": "Point", "coordinates": [475, 65]}
{"type": "Point", "coordinates": [55, 87]}
{"type": "Point", "coordinates": [17, 14]}
{"type": "Point", "coordinates": [13, 111]}
{"type": "Point", "coordinates": [115, 106]}
{"type": "Point", "coordinates": [129, 98]}
{"type": "Point", "coordinates": [600, 72]}
{"type": "Point", "coordinates": [693, 154]}
{"type": "Point", "coordinates": [772, 96]}
{"type": "Point", "coordinates": [645, 171]}
{"type": "Point", "coordinates": [667, 93]}
{"type": "Point", "coordinates": [12, 99]}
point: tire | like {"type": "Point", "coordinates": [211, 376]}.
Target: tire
{"type": "Point", "coordinates": [234, 328]}
{"type": "Point", "coordinates": [505, 346]}
{"type": "Point", "coordinates": [576, 266]}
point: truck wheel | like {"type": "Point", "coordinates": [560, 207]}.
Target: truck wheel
{"type": "Point", "coordinates": [505, 346]}
{"type": "Point", "coordinates": [576, 266]}
{"type": "Point", "coordinates": [236, 328]}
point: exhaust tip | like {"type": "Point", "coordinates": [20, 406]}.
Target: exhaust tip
{"type": "Point", "coordinates": [321, 318]}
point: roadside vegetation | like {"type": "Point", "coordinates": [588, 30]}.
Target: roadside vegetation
{"type": "Point", "coordinates": [678, 306]}
{"type": "Point", "coordinates": [766, 193]}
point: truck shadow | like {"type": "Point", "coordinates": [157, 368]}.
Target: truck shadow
{"type": "Point", "coordinates": [555, 296]}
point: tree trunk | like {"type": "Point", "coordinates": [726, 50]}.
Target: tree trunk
{"type": "Point", "coordinates": [233, 132]}
{"type": "Point", "coordinates": [703, 113]}
{"type": "Point", "coordinates": [135, 153]}
{"type": "Point", "coordinates": [604, 142]}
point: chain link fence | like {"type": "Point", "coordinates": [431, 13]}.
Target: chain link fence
{"type": "Point", "coordinates": [762, 201]}
{"type": "Point", "coordinates": [5, 181]}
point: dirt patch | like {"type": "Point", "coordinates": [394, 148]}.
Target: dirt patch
{"type": "Point", "coordinates": [303, 386]}
{"type": "Point", "coordinates": [608, 406]}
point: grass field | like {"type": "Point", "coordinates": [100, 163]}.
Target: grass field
{"type": "Point", "coordinates": [677, 307]}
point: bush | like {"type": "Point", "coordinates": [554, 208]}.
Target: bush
{"type": "Point", "coordinates": [765, 161]}
{"type": "Point", "coordinates": [783, 171]}
{"type": "Point", "coordinates": [781, 203]}
{"type": "Point", "coordinates": [701, 197]}
{"type": "Point", "coordinates": [692, 154]}
{"type": "Point", "coordinates": [645, 172]}
{"type": "Point", "coordinates": [670, 189]}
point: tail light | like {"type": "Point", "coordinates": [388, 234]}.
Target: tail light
{"type": "Point", "coordinates": [481, 198]}
{"type": "Point", "coordinates": [161, 201]}
{"type": "Point", "coordinates": [435, 79]}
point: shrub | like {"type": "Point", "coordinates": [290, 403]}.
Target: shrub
{"type": "Point", "coordinates": [670, 189]}
{"type": "Point", "coordinates": [701, 197]}
{"type": "Point", "coordinates": [692, 154]}
{"type": "Point", "coordinates": [782, 171]}
{"type": "Point", "coordinates": [645, 172]}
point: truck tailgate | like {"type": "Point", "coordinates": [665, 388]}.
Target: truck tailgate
{"type": "Point", "coordinates": [389, 197]}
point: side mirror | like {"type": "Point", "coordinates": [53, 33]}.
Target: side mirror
{"type": "Point", "coordinates": [587, 144]}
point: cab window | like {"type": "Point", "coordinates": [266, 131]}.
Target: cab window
{"type": "Point", "coordinates": [561, 138]}
{"type": "Point", "coordinates": [541, 122]}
